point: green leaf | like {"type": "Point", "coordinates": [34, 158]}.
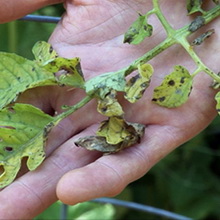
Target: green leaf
{"type": "Point", "coordinates": [44, 52]}
{"type": "Point", "coordinates": [109, 106]}
{"type": "Point", "coordinates": [19, 74]}
{"type": "Point", "coordinates": [138, 31]}
{"type": "Point", "coordinates": [114, 135]}
{"type": "Point", "coordinates": [217, 98]}
{"type": "Point", "coordinates": [71, 73]}
{"type": "Point", "coordinates": [194, 6]}
{"type": "Point", "coordinates": [175, 88]}
{"type": "Point", "coordinates": [137, 85]}
{"type": "Point", "coordinates": [23, 131]}
{"type": "Point", "coordinates": [100, 86]}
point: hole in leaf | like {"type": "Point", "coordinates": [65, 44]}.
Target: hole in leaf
{"type": "Point", "coordinates": [2, 170]}
{"type": "Point", "coordinates": [8, 149]}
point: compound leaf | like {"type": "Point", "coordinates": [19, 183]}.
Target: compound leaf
{"type": "Point", "coordinates": [23, 131]}
{"type": "Point", "coordinates": [175, 88]}
{"type": "Point", "coordinates": [131, 133]}
{"type": "Point", "coordinates": [19, 74]}
{"type": "Point", "coordinates": [138, 31]}
{"type": "Point", "coordinates": [137, 85]}
{"type": "Point", "coordinates": [109, 106]}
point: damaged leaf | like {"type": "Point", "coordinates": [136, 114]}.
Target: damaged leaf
{"type": "Point", "coordinates": [44, 52]}
{"type": "Point", "coordinates": [101, 85]}
{"type": "Point", "coordinates": [19, 74]}
{"type": "Point", "coordinates": [194, 6]}
{"type": "Point", "coordinates": [137, 85]}
{"type": "Point", "coordinates": [99, 143]}
{"type": "Point", "coordinates": [109, 106]}
{"type": "Point", "coordinates": [199, 40]}
{"type": "Point", "coordinates": [175, 88]}
{"type": "Point", "coordinates": [138, 31]}
{"type": "Point", "coordinates": [70, 71]}
{"type": "Point", "coordinates": [217, 98]}
{"type": "Point", "coordinates": [23, 132]}
{"type": "Point", "coordinates": [197, 23]}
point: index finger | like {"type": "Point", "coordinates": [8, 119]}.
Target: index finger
{"type": "Point", "coordinates": [11, 10]}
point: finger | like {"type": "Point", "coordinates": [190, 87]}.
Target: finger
{"type": "Point", "coordinates": [11, 10]}
{"type": "Point", "coordinates": [109, 175]}
{"type": "Point", "coordinates": [32, 193]}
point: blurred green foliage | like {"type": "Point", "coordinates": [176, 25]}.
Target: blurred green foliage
{"type": "Point", "coordinates": [186, 182]}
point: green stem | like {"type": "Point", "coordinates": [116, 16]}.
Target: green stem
{"type": "Point", "coordinates": [162, 18]}
{"type": "Point", "coordinates": [74, 108]}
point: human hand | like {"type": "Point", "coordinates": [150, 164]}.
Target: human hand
{"type": "Point", "coordinates": [93, 31]}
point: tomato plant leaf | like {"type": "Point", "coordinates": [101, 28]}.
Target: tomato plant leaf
{"type": "Point", "coordinates": [138, 31]}
{"type": "Point", "coordinates": [68, 71]}
{"type": "Point", "coordinates": [137, 85]}
{"type": "Point", "coordinates": [44, 52]}
{"type": "Point", "coordinates": [19, 74]}
{"type": "Point", "coordinates": [175, 88]}
{"type": "Point", "coordinates": [101, 85]}
{"type": "Point", "coordinates": [109, 106]}
{"type": "Point", "coordinates": [23, 131]}
{"type": "Point", "coordinates": [134, 133]}
{"type": "Point", "coordinates": [217, 98]}
{"type": "Point", "coordinates": [194, 6]}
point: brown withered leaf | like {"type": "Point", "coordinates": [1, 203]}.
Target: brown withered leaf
{"type": "Point", "coordinates": [134, 132]}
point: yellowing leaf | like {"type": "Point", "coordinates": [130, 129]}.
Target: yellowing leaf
{"type": "Point", "coordinates": [72, 74]}
{"type": "Point", "coordinates": [138, 31]}
{"type": "Point", "coordinates": [175, 88]}
{"type": "Point", "coordinates": [109, 106]}
{"type": "Point", "coordinates": [135, 132]}
{"type": "Point", "coordinates": [44, 52]}
{"type": "Point", "coordinates": [19, 74]}
{"type": "Point", "coordinates": [137, 85]}
{"type": "Point", "coordinates": [23, 131]}
{"type": "Point", "coordinates": [67, 71]}
{"type": "Point", "coordinates": [217, 98]}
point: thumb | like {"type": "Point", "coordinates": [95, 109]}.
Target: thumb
{"type": "Point", "coordinates": [11, 10]}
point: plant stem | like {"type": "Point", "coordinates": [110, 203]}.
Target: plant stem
{"type": "Point", "coordinates": [162, 18]}
{"type": "Point", "coordinates": [73, 108]}
{"type": "Point", "coordinates": [177, 36]}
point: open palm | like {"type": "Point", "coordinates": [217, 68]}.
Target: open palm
{"type": "Point", "coordinates": [93, 30]}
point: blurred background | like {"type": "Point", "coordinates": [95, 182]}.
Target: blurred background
{"type": "Point", "coordinates": [185, 182]}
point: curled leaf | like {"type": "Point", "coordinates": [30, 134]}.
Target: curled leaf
{"type": "Point", "coordinates": [175, 88]}
{"type": "Point", "coordinates": [194, 6]}
{"type": "Point", "coordinates": [138, 31]}
{"type": "Point", "coordinates": [99, 143]}
{"type": "Point", "coordinates": [23, 132]}
{"type": "Point", "coordinates": [199, 40]}
{"type": "Point", "coordinates": [109, 106]}
{"type": "Point", "coordinates": [137, 85]}
{"type": "Point", "coordinates": [196, 24]}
